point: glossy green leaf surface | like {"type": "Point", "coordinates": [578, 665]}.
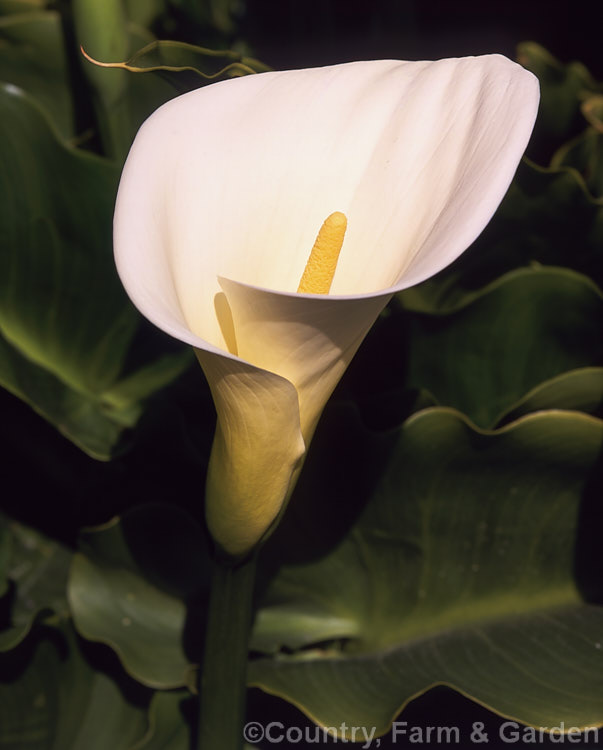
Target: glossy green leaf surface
{"type": "Point", "coordinates": [504, 341]}
{"type": "Point", "coordinates": [129, 586]}
{"type": "Point", "coordinates": [51, 698]}
{"type": "Point", "coordinates": [562, 89]}
{"type": "Point", "coordinates": [592, 109]}
{"type": "Point", "coordinates": [472, 565]}
{"type": "Point", "coordinates": [585, 155]}
{"type": "Point", "coordinates": [33, 56]}
{"type": "Point", "coordinates": [576, 390]}
{"type": "Point", "coordinates": [37, 569]}
{"type": "Point", "coordinates": [65, 322]}
{"type": "Point", "coordinates": [168, 729]}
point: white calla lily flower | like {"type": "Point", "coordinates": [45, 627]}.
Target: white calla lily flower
{"type": "Point", "coordinates": [220, 201]}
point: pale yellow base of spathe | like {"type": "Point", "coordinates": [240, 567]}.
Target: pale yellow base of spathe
{"type": "Point", "coordinates": [259, 446]}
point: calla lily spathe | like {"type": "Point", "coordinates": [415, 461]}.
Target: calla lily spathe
{"type": "Point", "coordinates": [221, 198]}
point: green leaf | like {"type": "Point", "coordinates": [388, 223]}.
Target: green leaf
{"type": "Point", "coordinates": [472, 565]}
{"type": "Point", "coordinates": [585, 155]}
{"type": "Point", "coordinates": [577, 390]}
{"type": "Point", "coordinates": [562, 88]}
{"type": "Point", "coordinates": [168, 728]}
{"type": "Point", "coordinates": [128, 589]}
{"type": "Point", "coordinates": [37, 567]}
{"type": "Point", "coordinates": [592, 109]}
{"type": "Point", "coordinates": [146, 381]}
{"type": "Point", "coordinates": [52, 699]}
{"type": "Point", "coordinates": [170, 723]}
{"type": "Point", "coordinates": [81, 418]}
{"type": "Point", "coordinates": [33, 57]}
{"type": "Point", "coordinates": [502, 342]}
{"type": "Point", "coordinates": [186, 66]}
{"type": "Point", "coordinates": [65, 322]}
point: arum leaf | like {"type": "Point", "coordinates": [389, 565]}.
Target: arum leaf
{"type": "Point", "coordinates": [592, 109]}
{"type": "Point", "coordinates": [472, 565]}
{"type": "Point", "coordinates": [90, 425]}
{"type": "Point", "coordinates": [585, 155]}
{"type": "Point", "coordinates": [505, 340]}
{"type": "Point", "coordinates": [127, 589]}
{"type": "Point", "coordinates": [58, 215]}
{"type": "Point", "coordinates": [562, 87]}
{"type": "Point", "coordinates": [577, 390]}
{"type": "Point", "coordinates": [33, 57]}
{"type": "Point", "coordinates": [168, 728]}
{"type": "Point", "coordinates": [37, 567]}
{"type": "Point", "coordinates": [65, 323]}
{"type": "Point", "coordinates": [52, 699]}
{"type": "Point", "coordinates": [185, 65]}
{"type": "Point", "coordinates": [148, 379]}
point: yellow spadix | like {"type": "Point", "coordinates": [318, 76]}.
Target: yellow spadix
{"type": "Point", "coordinates": [322, 263]}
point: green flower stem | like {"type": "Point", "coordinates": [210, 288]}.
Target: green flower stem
{"type": "Point", "coordinates": [222, 685]}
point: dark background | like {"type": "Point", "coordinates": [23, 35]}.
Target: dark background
{"type": "Point", "coordinates": [300, 33]}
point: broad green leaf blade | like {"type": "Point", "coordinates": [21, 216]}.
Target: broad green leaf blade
{"type": "Point", "coordinates": [577, 390]}
{"type": "Point", "coordinates": [523, 683]}
{"type": "Point", "coordinates": [184, 65]}
{"type": "Point", "coordinates": [37, 567]}
{"type": "Point", "coordinates": [505, 340]}
{"type": "Point", "coordinates": [562, 89]}
{"type": "Point", "coordinates": [592, 109]}
{"type": "Point", "coordinates": [94, 426]}
{"type": "Point", "coordinates": [65, 322]}
{"type": "Point", "coordinates": [472, 564]}
{"type": "Point", "coordinates": [585, 155]}
{"type": "Point", "coordinates": [102, 613]}
{"type": "Point", "coordinates": [129, 586]}
{"type": "Point", "coordinates": [52, 699]}
{"type": "Point", "coordinates": [62, 304]}
{"type": "Point", "coordinates": [168, 728]}
{"type": "Point", "coordinates": [147, 380]}
{"type": "Point", "coordinates": [33, 56]}
{"type": "Point", "coordinates": [169, 722]}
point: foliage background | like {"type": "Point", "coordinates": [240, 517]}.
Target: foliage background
{"type": "Point", "coordinates": [512, 328]}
